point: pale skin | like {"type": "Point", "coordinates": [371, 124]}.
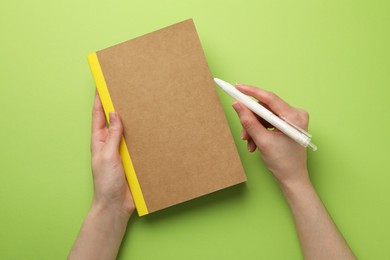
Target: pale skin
{"type": "Point", "coordinates": [112, 205]}
{"type": "Point", "coordinates": [286, 160]}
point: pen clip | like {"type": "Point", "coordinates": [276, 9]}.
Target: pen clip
{"type": "Point", "coordinates": [296, 127]}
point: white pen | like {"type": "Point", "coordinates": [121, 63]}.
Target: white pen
{"type": "Point", "coordinates": [299, 135]}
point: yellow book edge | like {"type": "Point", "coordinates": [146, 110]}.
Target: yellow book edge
{"type": "Point", "coordinates": [124, 152]}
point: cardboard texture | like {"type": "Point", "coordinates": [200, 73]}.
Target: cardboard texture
{"type": "Point", "coordinates": [174, 125]}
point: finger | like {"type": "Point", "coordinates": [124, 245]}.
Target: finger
{"type": "Point", "coordinates": [98, 124]}
{"type": "Point", "coordinates": [115, 132]}
{"type": "Point", "coordinates": [251, 145]}
{"type": "Point", "coordinates": [275, 103]}
{"type": "Point", "coordinates": [244, 134]}
{"type": "Point", "coordinates": [250, 123]}
{"type": "Point", "coordinates": [98, 118]}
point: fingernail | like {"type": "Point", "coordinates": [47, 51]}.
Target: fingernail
{"type": "Point", "coordinates": [236, 107]}
{"type": "Point", "coordinates": [112, 117]}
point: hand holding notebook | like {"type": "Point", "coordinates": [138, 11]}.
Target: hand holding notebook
{"type": "Point", "coordinates": [177, 144]}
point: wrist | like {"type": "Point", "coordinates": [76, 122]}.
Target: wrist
{"type": "Point", "coordinates": [101, 234]}
{"type": "Point", "coordinates": [295, 186]}
{"type": "Point", "coordinates": [106, 211]}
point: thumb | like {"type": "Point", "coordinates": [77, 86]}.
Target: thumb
{"type": "Point", "coordinates": [250, 123]}
{"type": "Point", "coordinates": [115, 132]}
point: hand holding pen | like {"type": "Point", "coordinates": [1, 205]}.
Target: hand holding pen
{"type": "Point", "coordinates": [283, 156]}
{"type": "Point", "coordinates": [286, 159]}
{"type": "Point", "coordinates": [292, 130]}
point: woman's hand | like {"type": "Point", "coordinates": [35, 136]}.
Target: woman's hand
{"type": "Point", "coordinates": [285, 158]}
{"type": "Point", "coordinates": [105, 225]}
{"type": "Point", "coordinates": [111, 190]}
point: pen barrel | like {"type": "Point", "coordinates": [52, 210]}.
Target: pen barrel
{"type": "Point", "coordinates": [267, 115]}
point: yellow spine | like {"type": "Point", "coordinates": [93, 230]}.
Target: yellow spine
{"type": "Point", "coordinates": [126, 160]}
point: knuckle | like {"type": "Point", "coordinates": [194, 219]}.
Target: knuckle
{"type": "Point", "coordinates": [115, 128]}
{"type": "Point", "coordinates": [304, 113]}
{"type": "Point", "coordinates": [246, 122]}
{"type": "Point", "coordinates": [271, 96]}
{"type": "Point", "coordinates": [302, 117]}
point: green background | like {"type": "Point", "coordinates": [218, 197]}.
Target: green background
{"type": "Point", "coordinates": [330, 57]}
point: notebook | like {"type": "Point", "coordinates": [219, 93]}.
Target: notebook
{"type": "Point", "coordinates": [177, 144]}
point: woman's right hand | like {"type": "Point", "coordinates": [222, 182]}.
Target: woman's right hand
{"type": "Point", "coordinates": [285, 158]}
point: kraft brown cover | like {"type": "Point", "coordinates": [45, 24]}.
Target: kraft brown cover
{"type": "Point", "coordinates": [174, 125]}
